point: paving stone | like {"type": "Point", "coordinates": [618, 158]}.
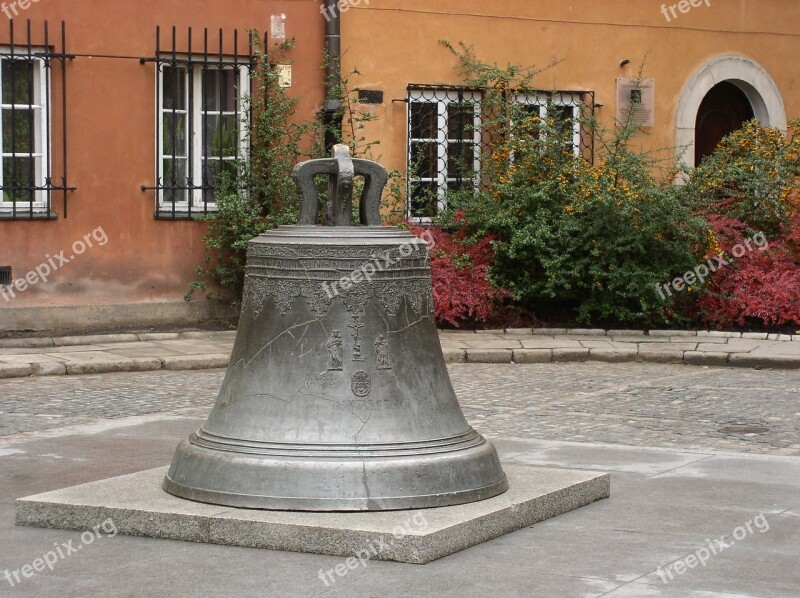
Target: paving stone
{"type": "Point", "coordinates": [67, 341]}
{"type": "Point", "coordinates": [454, 355]}
{"type": "Point", "coordinates": [625, 333]}
{"type": "Point", "coordinates": [105, 367]}
{"type": "Point", "coordinates": [158, 336]}
{"type": "Point", "coordinates": [519, 331]}
{"type": "Point", "coordinates": [719, 334]}
{"type": "Point", "coordinates": [705, 358]}
{"type": "Point", "coordinates": [660, 356]}
{"type": "Point", "coordinates": [612, 355]}
{"type": "Point", "coordinates": [499, 331]}
{"type": "Point", "coordinates": [198, 362]}
{"type": "Point", "coordinates": [586, 331]}
{"type": "Point", "coordinates": [49, 368]}
{"type": "Point", "coordinates": [545, 342]}
{"type": "Point", "coordinates": [9, 370]}
{"type": "Point", "coordinates": [549, 331]}
{"type": "Point", "coordinates": [755, 335]}
{"type": "Point", "coordinates": [765, 361]}
{"type": "Point", "coordinates": [780, 337]}
{"type": "Point", "coordinates": [570, 354]}
{"type": "Point", "coordinates": [533, 355]}
{"type": "Point", "coordinates": [489, 355]}
{"type": "Point", "coordinates": [672, 333]}
{"type": "Point", "coordinates": [22, 343]}
{"type": "Point", "coordinates": [729, 348]}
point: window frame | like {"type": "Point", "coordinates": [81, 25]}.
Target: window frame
{"type": "Point", "coordinates": [41, 149]}
{"type": "Point", "coordinates": [442, 98]}
{"type": "Point", "coordinates": [194, 203]}
{"type": "Point", "coordinates": [564, 99]}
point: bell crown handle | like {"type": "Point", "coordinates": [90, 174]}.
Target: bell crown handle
{"type": "Point", "coordinates": [341, 170]}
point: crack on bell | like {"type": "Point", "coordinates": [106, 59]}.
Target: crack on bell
{"type": "Point", "coordinates": [268, 345]}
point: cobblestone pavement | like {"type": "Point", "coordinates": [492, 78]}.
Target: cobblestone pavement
{"type": "Point", "coordinates": [651, 405]}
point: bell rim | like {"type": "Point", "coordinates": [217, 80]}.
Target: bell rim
{"type": "Point", "coordinates": [208, 440]}
{"type": "Point", "coordinates": [328, 505]}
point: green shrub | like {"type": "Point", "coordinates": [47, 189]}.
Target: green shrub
{"type": "Point", "coordinates": [596, 237]}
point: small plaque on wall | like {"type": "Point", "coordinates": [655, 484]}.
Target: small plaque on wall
{"type": "Point", "coordinates": [636, 98]}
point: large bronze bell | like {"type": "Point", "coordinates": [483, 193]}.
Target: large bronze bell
{"type": "Point", "coordinates": [337, 397]}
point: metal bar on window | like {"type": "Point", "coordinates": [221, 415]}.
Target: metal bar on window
{"type": "Point", "coordinates": [13, 96]}
{"type": "Point", "coordinates": [237, 81]}
{"type": "Point", "coordinates": [190, 174]}
{"type": "Point", "coordinates": [26, 165]}
{"type": "Point", "coordinates": [174, 119]}
{"type": "Point", "coordinates": [204, 72]}
{"type": "Point", "coordinates": [204, 115]}
{"type": "Point", "coordinates": [31, 181]}
{"type": "Point", "coordinates": [159, 123]}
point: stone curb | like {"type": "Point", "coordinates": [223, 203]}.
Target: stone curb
{"type": "Point", "coordinates": [108, 339]}
{"type": "Point", "coordinates": [137, 364]}
{"type": "Point", "coordinates": [452, 356]}
{"type": "Point", "coordinates": [196, 362]}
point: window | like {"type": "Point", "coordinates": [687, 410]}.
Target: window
{"type": "Point", "coordinates": [444, 146]}
{"type": "Point", "coordinates": [559, 110]}
{"type": "Point", "coordinates": [33, 119]}
{"type": "Point", "coordinates": [201, 132]}
{"type": "Point", "coordinates": [23, 121]}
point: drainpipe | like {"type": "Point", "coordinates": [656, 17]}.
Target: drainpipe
{"type": "Point", "coordinates": [333, 52]}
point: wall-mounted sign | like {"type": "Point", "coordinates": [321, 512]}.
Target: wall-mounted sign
{"type": "Point", "coordinates": [284, 75]}
{"type": "Point", "coordinates": [636, 99]}
{"type": "Point", "coordinates": [278, 23]}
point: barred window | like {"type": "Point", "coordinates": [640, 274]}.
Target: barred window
{"type": "Point", "coordinates": [22, 115]}
{"type": "Point", "coordinates": [202, 125]}
{"type": "Point", "coordinates": [444, 147]}
{"type": "Point", "coordinates": [559, 110]}
{"type": "Point", "coordinates": [28, 133]}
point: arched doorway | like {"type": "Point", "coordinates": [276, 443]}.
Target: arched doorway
{"type": "Point", "coordinates": [748, 76]}
{"type": "Point", "coordinates": [724, 110]}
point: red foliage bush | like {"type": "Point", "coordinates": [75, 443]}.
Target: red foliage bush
{"type": "Point", "coordinates": [462, 293]}
{"type": "Point", "coordinates": [761, 285]}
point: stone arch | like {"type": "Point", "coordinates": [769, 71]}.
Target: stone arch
{"type": "Point", "coordinates": [746, 74]}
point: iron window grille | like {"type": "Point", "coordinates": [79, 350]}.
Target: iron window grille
{"type": "Point", "coordinates": [444, 146]}
{"type": "Point", "coordinates": [6, 276]}
{"type": "Point", "coordinates": [30, 69]}
{"type": "Point", "coordinates": [448, 138]}
{"type": "Point", "coordinates": [202, 120]}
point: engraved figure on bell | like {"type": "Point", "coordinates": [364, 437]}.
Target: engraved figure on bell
{"type": "Point", "coordinates": [382, 351]}
{"type": "Point", "coordinates": [361, 385]}
{"type": "Point", "coordinates": [335, 350]}
{"type": "Point", "coordinates": [356, 327]}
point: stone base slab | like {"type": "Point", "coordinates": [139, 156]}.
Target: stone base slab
{"type": "Point", "coordinates": [139, 507]}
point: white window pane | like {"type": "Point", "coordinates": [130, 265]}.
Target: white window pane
{"type": "Point", "coordinates": [18, 81]}
{"type": "Point", "coordinates": [220, 90]}
{"type": "Point", "coordinates": [221, 136]}
{"type": "Point", "coordinates": [173, 88]}
{"type": "Point", "coordinates": [19, 126]}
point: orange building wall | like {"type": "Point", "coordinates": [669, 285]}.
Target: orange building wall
{"type": "Point", "coordinates": [396, 42]}
{"type": "Point", "coordinates": [111, 119]}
